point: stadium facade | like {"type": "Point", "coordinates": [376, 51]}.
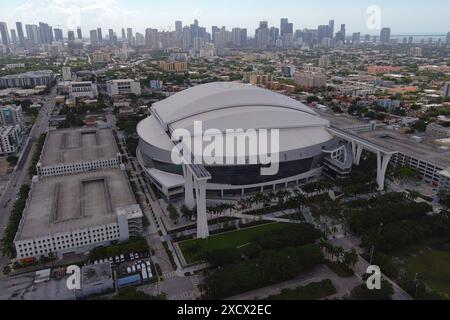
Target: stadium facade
{"type": "Point", "coordinates": [306, 147]}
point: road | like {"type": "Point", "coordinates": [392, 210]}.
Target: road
{"type": "Point", "coordinates": [343, 285]}
{"type": "Point", "coordinates": [20, 174]}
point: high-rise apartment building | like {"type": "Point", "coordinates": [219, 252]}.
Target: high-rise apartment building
{"type": "Point", "coordinates": [71, 36]}
{"type": "Point", "coordinates": [4, 33]}
{"type": "Point", "coordinates": [58, 34]}
{"type": "Point", "coordinates": [100, 35]}
{"type": "Point", "coordinates": [94, 37]}
{"type": "Point", "coordinates": [32, 33]}
{"type": "Point", "coordinates": [385, 35]}
{"type": "Point", "coordinates": [331, 25]}
{"type": "Point", "coordinates": [262, 35]}
{"type": "Point", "coordinates": [79, 33]}
{"type": "Point", "coordinates": [20, 34]}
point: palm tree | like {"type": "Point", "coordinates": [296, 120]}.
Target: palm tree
{"type": "Point", "coordinates": [351, 258]}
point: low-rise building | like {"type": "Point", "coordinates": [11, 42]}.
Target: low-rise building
{"type": "Point", "coordinates": [29, 79]}
{"type": "Point", "coordinates": [310, 79]}
{"type": "Point", "coordinates": [80, 200]}
{"type": "Point", "coordinates": [101, 57]}
{"type": "Point", "coordinates": [123, 87]}
{"type": "Point", "coordinates": [75, 214]}
{"type": "Point", "coordinates": [96, 279]}
{"type": "Point", "coordinates": [83, 89]}
{"type": "Point", "coordinates": [173, 66]}
{"type": "Point", "coordinates": [77, 151]}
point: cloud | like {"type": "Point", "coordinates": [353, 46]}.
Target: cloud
{"type": "Point", "coordinates": [74, 12]}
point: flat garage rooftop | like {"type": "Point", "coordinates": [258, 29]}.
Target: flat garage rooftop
{"type": "Point", "coordinates": [62, 204]}
{"type": "Point", "coordinates": [70, 146]}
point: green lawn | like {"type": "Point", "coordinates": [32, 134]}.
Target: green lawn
{"type": "Point", "coordinates": [192, 249]}
{"type": "Point", "coordinates": [433, 267]}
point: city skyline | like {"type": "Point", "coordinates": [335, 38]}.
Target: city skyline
{"type": "Point", "coordinates": [68, 14]}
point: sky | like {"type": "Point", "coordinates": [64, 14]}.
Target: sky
{"type": "Point", "coordinates": [404, 17]}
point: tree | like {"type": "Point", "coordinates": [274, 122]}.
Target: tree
{"type": "Point", "coordinates": [12, 160]}
{"type": "Point", "coordinates": [363, 293]}
{"type": "Point", "coordinates": [173, 213]}
{"type": "Point", "coordinates": [351, 258]}
{"type": "Point", "coordinates": [312, 99]}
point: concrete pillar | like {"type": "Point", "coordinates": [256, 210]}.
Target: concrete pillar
{"type": "Point", "coordinates": [354, 151]}
{"type": "Point", "coordinates": [382, 164]}
{"type": "Point", "coordinates": [359, 151]}
{"type": "Point", "coordinates": [189, 200]}
{"type": "Point", "coordinates": [202, 219]}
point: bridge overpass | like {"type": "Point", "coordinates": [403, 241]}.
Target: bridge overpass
{"type": "Point", "coordinates": [360, 144]}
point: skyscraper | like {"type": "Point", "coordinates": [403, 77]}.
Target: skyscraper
{"type": "Point", "coordinates": [123, 34]}
{"type": "Point", "coordinates": [331, 25]}
{"type": "Point", "coordinates": [14, 40]}
{"type": "Point", "coordinates": [58, 34]}
{"type": "Point", "coordinates": [20, 34]}
{"type": "Point", "coordinates": [340, 35]}
{"type": "Point", "coordinates": [130, 36]}
{"type": "Point", "coordinates": [4, 33]}
{"type": "Point", "coordinates": [100, 35]}
{"type": "Point", "coordinates": [45, 33]}
{"type": "Point", "coordinates": [112, 36]}
{"type": "Point", "coordinates": [323, 32]}
{"type": "Point", "coordinates": [385, 35]}
{"type": "Point", "coordinates": [448, 38]}
{"type": "Point", "coordinates": [94, 37]}
{"type": "Point", "coordinates": [194, 30]}
{"type": "Point", "coordinates": [79, 33]}
{"type": "Point", "coordinates": [286, 27]}
{"type": "Point", "coordinates": [262, 35]}
{"type": "Point", "coordinates": [178, 28]}
{"type": "Point", "coordinates": [32, 33]}
{"type": "Point", "coordinates": [214, 30]}
{"type": "Point", "coordinates": [274, 34]}
{"type": "Point", "coordinates": [356, 37]}
{"type": "Point", "coordinates": [244, 37]}
{"type": "Point", "coordinates": [186, 37]}
{"type": "Point", "coordinates": [71, 35]}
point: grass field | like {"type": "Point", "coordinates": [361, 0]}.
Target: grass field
{"type": "Point", "coordinates": [433, 267]}
{"type": "Point", "coordinates": [192, 249]}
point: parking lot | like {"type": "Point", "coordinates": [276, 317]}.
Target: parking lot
{"type": "Point", "coordinates": [132, 268]}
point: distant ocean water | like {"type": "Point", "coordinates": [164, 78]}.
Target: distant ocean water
{"type": "Point", "coordinates": [419, 37]}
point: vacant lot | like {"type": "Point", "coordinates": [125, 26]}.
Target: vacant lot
{"type": "Point", "coordinates": [192, 249]}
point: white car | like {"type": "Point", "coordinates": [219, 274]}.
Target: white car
{"type": "Point", "coordinates": [138, 267]}
{"type": "Point", "coordinates": [122, 258]}
{"type": "Point", "coordinates": [133, 269]}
